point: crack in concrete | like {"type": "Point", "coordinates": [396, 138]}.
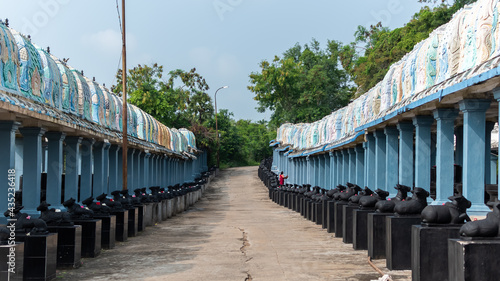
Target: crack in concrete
{"type": "Point", "coordinates": [249, 277]}
{"type": "Point", "coordinates": [243, 250]}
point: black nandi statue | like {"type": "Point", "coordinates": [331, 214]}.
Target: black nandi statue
{"type": "Point", "coordinates": [53, 218]}
{"type": "Point", "coordinates": [77, 211]}
{"type": "Point", "coordinates": [99, 209]}
{"type": "Point", "coordinates": [414, 206]}
{"type": "Point", "coordinates": [387, 206]}
{"type": "Point", "coordinates": [352, 190]}
{"type": "Point", "coordinates": [454, 212]}
{"type": "Point", "coordinates": [484, 228]}
{"type": "Point", "coordinates": [25, 224]}
{"type": "Point", "coordinates": [369, 202]}
{"type": "Point", "coordinates": [354, 200]}
{"type": "Point", "coordinates": [114, 206]}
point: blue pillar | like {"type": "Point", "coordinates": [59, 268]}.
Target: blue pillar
{"type": "Point", "coordinates": [98, 180]}
{"type": "Point", "coordinates": [107, 146]}
{"type": "Point", "coordinates": [114, 150]}
{"type": "Point", "coordinates": [345, 165]}
{"type": "Point", "coordinates": [391, 159]}
{"type": "Point", "coordinates": [369, 146]}
{"type": "Point", "coordinates": [360, 165]}
{"type": "Point", "coordinates": [423, 151]}
{"type": "Point", "coordinates": [130, 169]}
{"type": "Point", "coordinates": [137, 171]}
{"type": "Point", "coordinates": [72, 150]}
{"type": "Point", "coordinates": [352, 165]}
{"type": "Point", "coordinates": [326, 170]}
{"type": "Point", "coordinates": [333, 170]}
{"type": "Point", "coordinates": [340, 169]}
{"type": "Point", "coordinates": [309, 170]}
{"type": "Point", "coordinates": [119, 169]}
{"type": "Point", "coordinates": [474, 114]}
{"type": "Point", "coordinates": [32, 168]}
{"type": "Point", "coordinates": [7, 165]}
{"type": "Point", "coordinates": [86, 173]}
{"type": "Point", "coordinates": [145, 182]}
{"type": "Point", "coordinates": [405, 153]}
{"type": "Point", "coordinates": [55, 169]}
{"type": "Point", "coordinates": [487, 152]}
{"type": "Point", "coordinates": [151, 171]}
{"type": "Point", "coordinates": [316, 170]}
{"type": "Point", "coordinates": [380, 160]}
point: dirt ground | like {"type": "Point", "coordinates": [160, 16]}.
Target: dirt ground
{"type": "Point", "coordinates": [233, 233]}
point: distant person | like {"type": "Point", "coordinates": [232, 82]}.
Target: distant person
{"type": "Point", "coordinates": [282, 178]}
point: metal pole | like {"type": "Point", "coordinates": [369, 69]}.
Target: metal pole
{"type": "Point", "coordinates": [124, 96]}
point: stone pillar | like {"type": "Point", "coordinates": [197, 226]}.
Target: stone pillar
{"type": "Point", "coordinates": [72, 150]}
{"type": "Point", "coordinates": [360, 165]}
{"type": "Point", "coordinates": [369, 146]}
{"type": "Point", "coordinates": [146, 179]}
{"type": "Point", "coordinates": [86, 173]}
{"type": "Point", "coordinates": [151, 171]}
{"type": "Point", "coordinates": [487, 152]}
{"type": "Point", "coordinates": [391, 159]}
{"type": "Point", "coordinates": [352, 165]}
{"type": "Point", "coordinates": [345, 165]}
{"type": "Point", "coordinates": [138, 177]}
{"type": "Point", "coordinates": [114, 150]}
{"type": "Point", "coordinates": [380, 160]}
{"type": "Point", "coordinates": [309, 169]}
{"type": "Point", "coordinates": [333, 169]}
{"type": "Point", "coordinates": [423, 151]}
{"type": "Point", "coordinates": [7, 165]}
{"type": "Point", "coordinates": [106, 168]}
{"type": "Point", "coordinates": [100, 171]}
{"type": "Point", "coordinates": [326, 170]}
{"type": "Point", "coordinates": [340, 169]}
{"type": "Point", "coordinates": [130, 169]}
{"type": "Point", "coordinates": [316, 169]}
{"type": "Point", "coordinates": [474, 114]}
{"type": "Point", "coordinates": [119, 169]}
{"type": "Point", "coordinates": [32, 168]}
{"type": "Point", "coordinates": [406, 153]}
{"type": "Point", "coordinates": [55, 169]}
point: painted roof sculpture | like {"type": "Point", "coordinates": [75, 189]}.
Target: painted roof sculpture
{"type": "Point", "coordinates": [466, 47]}
{"type": "Point", "coordinates": [32, 78]}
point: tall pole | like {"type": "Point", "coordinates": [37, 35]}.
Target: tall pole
{"type": "Point", "coordinates": [124, 96]}
{"type": "Point", "coordinates": [216, 127]}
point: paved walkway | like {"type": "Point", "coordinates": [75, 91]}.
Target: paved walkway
{"type": "Point", "coordinates": [234, 233]}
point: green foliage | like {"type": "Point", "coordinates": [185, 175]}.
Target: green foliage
{"type": "Point", "coordinates": [302, 86]}
{"type": "Point", "coordinates": [382, 46]}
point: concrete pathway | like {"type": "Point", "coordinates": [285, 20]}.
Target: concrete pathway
{"type": "Point", "coordinates": [234, 233]}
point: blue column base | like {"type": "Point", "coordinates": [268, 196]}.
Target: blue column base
{"type": "Point", "coordinates": [478, 210]}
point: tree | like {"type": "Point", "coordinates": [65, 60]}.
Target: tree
{"type": "Point", "coordinates": [303, 85]}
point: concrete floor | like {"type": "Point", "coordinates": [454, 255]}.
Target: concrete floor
{"type": "Point", "coordinates": [233, 233]}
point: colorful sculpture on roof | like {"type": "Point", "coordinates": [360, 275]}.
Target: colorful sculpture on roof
{"type": "Point", "coordinates": [34, 74]}
{"type": "Point", "coordinates": [463, 48]}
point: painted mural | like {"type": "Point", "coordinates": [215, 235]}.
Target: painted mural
{"type": "Point", "coordinates": [465, 47]}
{"type": "Point", "coordinates": [34, 74]}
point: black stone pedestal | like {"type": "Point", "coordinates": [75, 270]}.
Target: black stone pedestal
{"type": "Point", "coordinates": [108, 233]}
{"type": "Point", "coordinates": [140, 218]}
{"type": "Point", "coordinates": [312, 208]}
{"type": "Point", "coordinates": [473, 259]}
{"type": "Point", "coordinates": [154, 219]}
{"type": "Point", "coordinates": [91, 237]}
{"type": "Point", "coordinates": [302, 206]}
{"type": "Point", "coordinates": [360, 229]}
{"type": "Point", "coordinates": [121, 226]}
{"type": "Point", "coordinates": [133, 222]}
{"type": "Point", "coordinates": [299, 203]}
{"type": "Point", "coordinates": [347, 223]}
{"type": "Point", "coordinates": [287, 199]}
{"type": "Point", "coordinates": [13, 259]}
{"type": "Point", "coordinates": [376, 235]}
{"type": "Point", "coordinates": [40, 256]}
{"type": "Point", "coordinates": [294, 201]}
{"type": "Point", "coordinates": [307, 208]}
{"type": "Point", "coordinates": [429, 251]}
{"type": "Point", "coordinates": [148, 212]}
{"type": "Point", "coordinates": [330, 217]}
{"type": "Point", "coordinates": [324, 213]}
{"type": "Point", "coordinates": [339, 215]}
{"type": "Point", "coordinates": [164, 212]}
{"type": "Point", "coordinates": [69, 245]}
{"type": "Point", "coordinates": [319, 213]}
{"type": "Point", "coordinates": [398, 241]}
{"type": "Point", "coordinates": [282, 198]}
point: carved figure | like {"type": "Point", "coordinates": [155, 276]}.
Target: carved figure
{"type": "Point", "coordinates": [414, 206]}
{"type": "Point", "coordinates": [387, 206]}
{"type": "Point", "coordinates": [483, 228]}
{"type": "Point", "coordinates": [368, 202]}
{"type": "Point", "coordinates": [453, 212]}
{"type": "Point", "coordinates": [53, 218]}
{"type": "Point", "coordinates": [25, 224]}
{"type": "Point", "coordinates": [77, 211]}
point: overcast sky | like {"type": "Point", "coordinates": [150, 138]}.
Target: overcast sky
{"type": "Point", "coordinates": [224, 39]}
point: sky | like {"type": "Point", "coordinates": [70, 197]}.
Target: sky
{"type": "Point", "coordinates": [225, 40]}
